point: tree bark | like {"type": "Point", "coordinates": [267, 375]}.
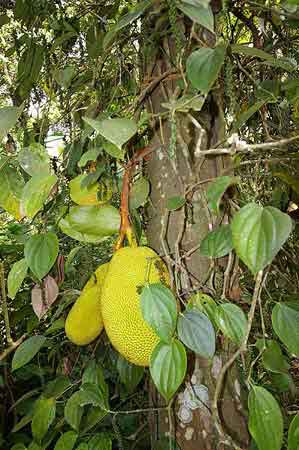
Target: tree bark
{"type": "Point", "coordinates": [178, 169]}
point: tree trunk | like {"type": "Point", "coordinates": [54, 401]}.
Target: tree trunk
{"type": "Point", "coordinates": [177, 168]}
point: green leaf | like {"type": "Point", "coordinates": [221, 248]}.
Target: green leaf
{"type": "Point", "coordinates": [91, 395]}
{"type": "Point", "coordinates": [94, 416]}
{"type": "Point", "coordinates": [66, 441]}
{"type": "Point", "coordinates": [99, 222]}
{"type": "Point", "coordinates": [129, 374]}
{"type": "Point", "coordinates": [203, 67]}
{"type": "Point", "coordinates": [174, 203]}
{"type": "Point", "coordinates": [19, 446]}
{"type": "Point", "coordinates": [282, 63]}
{"type": "Point", "coordinates": [168, 367]}
{"type": "Point", "coordinates": [217, 189]}
{"type": "Point", "coordinates": [201, 14]}
{"type": "Point", "coordinates": [83, 446]}
{"type": "Point", "coordinates": [34, 162]}
{"type": "Point", "coordinates": [100, 441]}
{"type": "Point", "coordinates": [27, 351]}
{"type": "Point", "coordinates": [196, 331]}
{"type": "Point", "coordinates": [57, 387]}
{"type": "Point", "coordinates": [73, 411]}
{"type": "Point", "coordinates": [16, 277]}
{"type": "Point", "coordinates": [57, 325]}
{"type": "Point", "coordinates": [159, 309]}
{"type": "Point", "coordinates": [217, 243]}
{"type": "Point", "coordinates": [41, 251]}
{"type": "Point", "coordinates": [265, 419]}
{"type": "Point", "coordinates": [90, 155]}
{"type": "Point", "coordinates": [293, 434]}
{"type": "Point", "coordinates": [205, 304]}
{"type": "Point", "coordinates": [11, 185]}
{"type": "Point", "coordinates": [113, 150]}
{"type": "Point", "coordinates": [8, 118]}
{"type": "Point", "coordinates": [258, 234]}
{"type": "Point", "coordinates": [285, 324]}
{"type": "Point", "coordinates": [232, 322]}
{"type": "Point", "coordinates": [273, 359]}
{"type": "Point", "coordinates": [44, 414]}
{"type": "Point", "coordinates": [139, 193]}
{"type": "Point", "coordinates": [36, 192]}
{"type": "Point", "coordinates": [133, 15]}
{"type": "Point", "coordinates": [117, 131]}
{"type": "Point", "coordinates": [65, 76]}
{"type": "Point", "coordinates": [290, 180]}
{"type": "Point", "coordinates": [244, 116]}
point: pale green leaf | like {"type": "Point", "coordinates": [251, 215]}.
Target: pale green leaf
{"type": "Point", "coordinates": [16, 277]}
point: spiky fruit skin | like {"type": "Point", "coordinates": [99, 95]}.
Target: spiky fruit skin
{"type": "Point", "coordinates": [84, 322]}
{"type": "Point", "coordinates": [129, 269]}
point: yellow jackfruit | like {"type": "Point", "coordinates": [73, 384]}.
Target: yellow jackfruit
{"type": "Point", "coordinates": [97, 194]}
{"type": "Point", "coordinates": [84, 322]}
{"type": "Point", "coordinates": [129, 269]}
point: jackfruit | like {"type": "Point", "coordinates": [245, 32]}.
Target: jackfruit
{"type": "Point", "coordinates": [84, 322]}
{"type": "Point", "coordinates": [129, 269]}
{"type": "Point", "coordinates": [97, 194]}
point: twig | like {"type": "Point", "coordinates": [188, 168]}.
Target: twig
{"type": "Point", "coordinates": [241, 349]}
{"type": "Point", "coordinates": [248, 148]}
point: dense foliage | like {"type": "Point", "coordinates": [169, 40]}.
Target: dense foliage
{"type": "Point", "coordinates": [78, 129]}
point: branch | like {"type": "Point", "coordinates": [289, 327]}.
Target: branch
{"type": "Point", "coordinates": [12, 347]}
{"type": "Point", "coordinates": [248, 148]}
{"type": "Point", "coordinates": [241, 349]}
{"type": "Point", "coordinates": [4, 305]}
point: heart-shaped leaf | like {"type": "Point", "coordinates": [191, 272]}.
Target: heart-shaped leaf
{"type": "Point", "coordinates": [8, 118]}
{"type": "Point", "coordinates": [174, 203]}
{"type": "Point", "coordinates": [73, 411]}
{"type": "Point", "coordinates": [139, 192]}
{"type": "Point", "coordinates": [258, 234]}
{"type": "Point", "coordinates": [285, 324]}
{"type": "Point", "coordinates": [273, 359]}
{"type": "Point", "coordinates": [203, 67]}
{"type": "Point", "coordinates": [217, 243]}
{"type": "Point", "coordinates": [91, 223]}
{"type": "Point", "coordinates": [43, 297]}
{"type": "Point", "coordinates": [41, 251]}
{"type": "Point", "coordinates": [16, 277]}
{"type": "Point", "coordinates": [11, 185]}
{"type": "Point", "coordinates": [168, 367]}
{"type": "Point", "coordinates": [232, 322]}
{"type": "Point", "coordinates": [293, 434]}
{"type": "Point", "coordinates": [199, 13]}
{"type": "Point", "coordinates": [35, 193]}
{"type": "Point", "coordinates": [265, 419]}
{"type": "Point", "coordinates": [217, 189]}
{"type": "Point", "coordinates": [117, 131]}
{"type": "Point", "coordinates": [159, 309]}
{"type": "Point", "coordinates": [196, 331]}
{"type": "Point", "coordinates": [129, 374]}
{"type": "Point", "coordinates": [66, 441]}
{"type": "Point", "coordinates": [33, 162]}
{"type": "Point", "coordinates": [43, 416]}
{"type": "Point", "coordinates": [27, 350]}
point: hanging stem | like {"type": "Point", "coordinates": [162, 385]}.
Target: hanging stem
{"type": "Point", "coordinates": [125, 223]}
{"type": "Point", "coordinates": [4, 305]}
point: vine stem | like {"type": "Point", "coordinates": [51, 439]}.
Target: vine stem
{"type": "Point", "coordinates": [241, 349]}
{"type": "Point", "coordinates": [4, 305]}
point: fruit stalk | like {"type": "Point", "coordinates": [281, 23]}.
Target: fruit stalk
{"type": "Point", "coordinates": [125, 224]}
